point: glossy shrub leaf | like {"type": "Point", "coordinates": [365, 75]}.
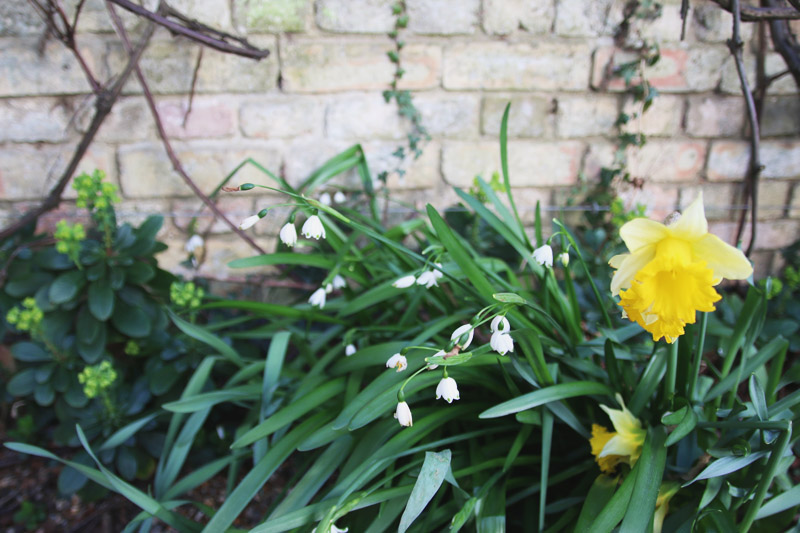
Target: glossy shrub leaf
{"type": "Point", "coordinates": [22, 383]}
{"type": "Point", "coordinates": [30, 352]}
{"type": "Point", "coordinates": [66, 286]}
{"type": "Point", "coordinates": [131, 321]}
{"type": "Point", "coordinates": [101, 299]}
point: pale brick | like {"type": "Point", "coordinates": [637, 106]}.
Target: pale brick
{"type": "Point", "coordinates": [678, 70]}
{"type": "Point", "coordinates": [335, 66]}
{"type": "Point", "coordinates": [728, 160]}
{"type": "Point", "coordinates": [714, 25]}
{"type": "Point", "coordinates": [449, 116]}
{"type": "Point", "coordinates": [664, 28]}
{"type": "Point", "coordinates": [501, 17]}
{"type": "Point", "coordinates": [780, 159]}
{"type": "Point", "coordinates": [794, 205]}
{"type": "Point", "coordinates": [167, 65]}
{"type": "Point", "coordinates": [210, 117]}
{"type": "Point", "coordinates": [526, 199]}
{"type": "Point", "coordinates": [147, 173]}
{"type": "Point", "coordinates": [780, 116]}
{"type": "Point", "coordinates": [443, 17]}
{"type": "Point", "coordinates": [266, 16]}
{"type": "Point", "coordinates": [362, 117]}
{"type": "Point", "coordinates": [24, 72]}
{"type": "Point", "coordinates": [136, 212]}
{"type": "Point", "coordinates": [129, 120]}
{"type": "Point", "coordinates": [282, 116]}
{"type": "Point", "coordinates": [221, 250]}
{"type": "Point", "coordinates": [498, 65]}
{"type": "Point", "coordinates": [659, 199]}
{"type": "Point", "coordinates": [17, 17]}
{"type": "Point", "coordinates": [588, 19]}
{"type": "Point", "coordinates": [225, 73]}
{"type": "Point", "coordinates": [773, 196]}
{"type": "Point", "coordinates": [763, 262]}
{"type": "Point", "coordinates": [531, 164]}
{"type": "Point", "coordinates": [667, 160]}
{"type": "Point", "coordinates": [729, 82]}
{"type": "Point", "coordinates": [662, 119]}
{"type": "Point", "coordinates": [210, 12]}
{"type": "Point", "coordinates": [355, 16]}
{"type": "Point", "coordinates": [715, 116]}
{"type": "Point", "coordinates": [718, 199]}
{"type": "Point", "coordinates": [304, 156]}
{"type": "Point", "coordinates": [529, 116]}
{"type": "Point", "coordinates": [420, 173]}
{"type": "Point", "coordinates": [579, 116]}
{"type": "Point", "coordinates": [34, 119]}
{"type": "Point", "coordinates": [773, 65]}
{"type": "Point", "coordinates": [598, 156]}
{"type": "Point", "coordinates": [29, 171]}
{"type": "Point", "coordinates": [770, 235]}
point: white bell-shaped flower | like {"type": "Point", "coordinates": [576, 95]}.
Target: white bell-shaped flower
{"type": "Point", "coordinates": [500, 323]}
{"type": "Point", "coordinates": [249, 222]}
{"type": "Point", "coordinates": [448, 390]}
{"type": "Point", "coordinates": [325, 198]}
{"type": "Point", "coordinates": [466, 328]}
{"type": "Point", "coordinates": [403, 414]}
{"type": "Point", "coordinates": [338, 282]}
{"type": "Point", "coordinates": [318, 298]}
{"type": "Point", "coordinates": [544, 255]}
{"type": "Point", "coordinates": [349, 350]}
{"type": "Point", "coordinates": [501, 342]}
{"type": "Point", "coordinates": [339, 197]}
{"type": "Point", "coordinates": [397, 361]}
{"type": "Point", "coordinates": [194, 242]}
{"type": "Point", "coordinates": [288, 234]}
{"type": "Point", "coordinates": [404, 282]}
{"type": "Point", "coordinates": [313, 228]}
{"type": "Point", "coordinates": [428, 278]}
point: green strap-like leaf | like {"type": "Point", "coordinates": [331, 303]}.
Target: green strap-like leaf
{"type": "Point", "coordinates": [547, 395]}
{"type": "Point", "coordinates": [431, 476]}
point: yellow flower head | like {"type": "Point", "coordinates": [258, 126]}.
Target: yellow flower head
{"type": "Point", "coordinates": [670, 271]}
{"type": "Point", "coordinates": [623, 445]}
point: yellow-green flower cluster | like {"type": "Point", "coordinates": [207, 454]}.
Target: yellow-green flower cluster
{"type": "Point", "coordinates": [93, 192]}
{"type": "Point", "coordinates": [186, 295]}
{"type": "Point", "coordinates": [68, 238]}
{"type": "Point", "coordinates": [25, 318]}
{"type": "Point", "coordinates": [132, 348]}
{"type": "Point", "coordinates": [95, 379]}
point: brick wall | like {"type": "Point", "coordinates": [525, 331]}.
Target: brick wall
{"type": "Point", "coordinates": [320, 91]}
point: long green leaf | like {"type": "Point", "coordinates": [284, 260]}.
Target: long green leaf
{"type": "Point", "coordinates": [547, 395]}
{"type": "Point", "coordinates": [639, 516]}
{"type": "Point", "coordinates": [431, 476]}
{"type": "Point", "coordinates": [198, 333]}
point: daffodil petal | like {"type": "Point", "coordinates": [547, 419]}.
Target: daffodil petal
{"type": "Point", "coordinates": [641, 232]}
{"type": "Point", "coordinates": [617, 260]}
{"type": "Point", "coordinates": [725, 260]}
{"type": "Point", "coordinates": [616, 446]}
{"type": "Point", "coordinates": [692, 224]}
{"type": "Point", "coordinates": [628, 268]}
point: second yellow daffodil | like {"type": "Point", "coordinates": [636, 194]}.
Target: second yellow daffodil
{"type": "Point", "coordinates": [670, 271]}
{"type": "Point", "coordinates": [623, 445]}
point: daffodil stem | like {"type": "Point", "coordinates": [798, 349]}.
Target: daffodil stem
{"type": "Point", "coordinates": [672, 366]}
{"type": "Point", "coordinates": [698, 358]}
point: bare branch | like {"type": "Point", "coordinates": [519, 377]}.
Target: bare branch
{"type": "Point", "coordinates": [104, 101]}
{"type": "Point", "coordinates": [785, 44]}
{"type": "Point", "coordinates": [197, 32]}
{"type": "Point", "coordinates": [754, 14]}
{"type": "Point", "coordinates": [176, 164]}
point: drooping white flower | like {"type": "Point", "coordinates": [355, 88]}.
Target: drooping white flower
{"type": "Point", "coordinates": [194, 242]}
{"type": "Point", "coordinates": [466, 328]}
{"type": "Point", "coordinates": [448, 390]}
{"type": "Point", "coordinates": [288, 234]}
{"type": "Point", "coordinates": [564, 258]}
{"type": "Point", "coordinates": [328, 288]}
{"type": "Point", "coordinates": [325, 199]}
{"type": "Point", "coordinates": [349, 350]}
{"type": "Point", "coordinates": [500, 323]}
{"type": "Point", "coordinates": [334, 529]}
{"type": "Point", "coordinates": [404, 282]}
{"type": "Point", "coordinates": [313, 228]}
{"type": "Point", "coordinates": [403, 414]}
{"type": "Point", "coordinates": [427, 278]}
{"type": "Point", "coordinates": [249, 222]}
{"type": "Point", "coordinates": [318, 298]}
{"type": "Point", "coordinates": [339, 282]}
{"type": "Point", "coordinates": [501, 342]}
{"type": "Point", "coordinates": [544, 255]}
{"type": "Point", "coordinates": [397, 361]}
{"type": "Point", "coordinates": [339, 197]}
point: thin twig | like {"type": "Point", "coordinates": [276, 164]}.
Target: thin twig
{"type": "Point", "coordinates": [104, 101]}
{"type": "Point", "coordinates": [785, 44]}
{"type": "Point", "coordinates": [193, 86]}
{"type": "Point", "coordinates": [753, 14]}
{"type": "Point", "coordinates": [176, 164]}
{"type": "Point", "coordinates": [198, 32]}
{"type": "Point", "coordinates": [754, 167]}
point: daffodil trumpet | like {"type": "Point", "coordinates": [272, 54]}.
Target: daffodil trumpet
{"type": "Point", "coordinates": [670, 271]}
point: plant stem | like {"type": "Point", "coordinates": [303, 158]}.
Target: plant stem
{"type": "Point", "coordinates": [698, 357]}
{"type": "Point", "coordinates": [672, 367]}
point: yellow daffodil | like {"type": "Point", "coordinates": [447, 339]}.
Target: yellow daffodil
{"type": "Point", "coordinates": [623, 445]}
{"type": "Point", "coordinates": [665, 493]}
{"type": "Point", "coordinates": [671, 271]}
